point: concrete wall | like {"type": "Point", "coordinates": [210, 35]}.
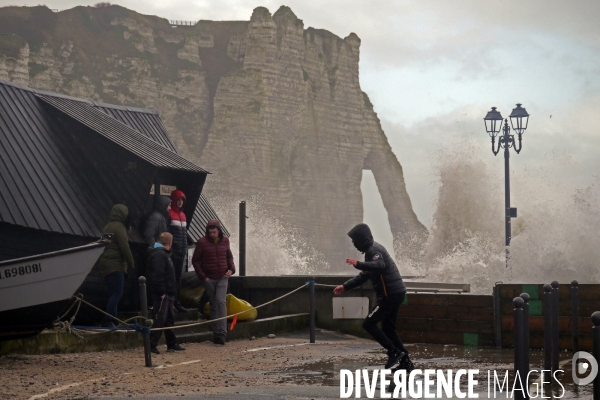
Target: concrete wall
{"type": "Point", "coordinates": [425, 317]}
{"type": "Point", "coordinates": [259, 290]}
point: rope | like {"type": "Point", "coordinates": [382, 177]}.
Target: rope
{"type": "Point", "coordinates": [81, 330]}
{"type": "Point", "coordinates": [324, 285]}
{"type": "Point", "coordinates": [77, 298]}
{"type": "Point", "coordinates": [65, 326]}
{"type": "Point", "coordinates": [135, 327]}
{"type": "Point", "coordinates": [219, 319]}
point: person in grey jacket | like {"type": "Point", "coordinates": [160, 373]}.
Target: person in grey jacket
{"type": "Point", "coordinates": [157, 222]}
{"type": "Point", "coordinates": [381, 270]}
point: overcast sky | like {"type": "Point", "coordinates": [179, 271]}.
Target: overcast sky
{"type": "Point", "coordinates": [434, 68]}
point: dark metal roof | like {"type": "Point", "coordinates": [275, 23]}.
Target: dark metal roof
{"type": "Point", "coordinates": [64, 174]}
{"type": "Point", "coordinates": [203, 213]}
{"type": "Point", "coordinates": [121, 134]}
{"type": "Point", "coordinates": [148, 123]}
{"type": "Point", "coordinates": [143, 120]}
{"type": "Point", "coordinates": [36, 190]}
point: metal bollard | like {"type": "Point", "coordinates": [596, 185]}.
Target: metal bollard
{"type": "Point", "coordinates": [311, 289]}
{"type": "Point", "coordinates": [575, 315]}
{"type": "Point", "coordinates": [525, 297]}
{"type": "Point", "coordinates": [518, 331]}
{"type": "Point", "coordinates": [596, 350]}
{"type": "Point", "coordinates": [144, 306]}
{"type": "Point", "coordinates": [555, 337]}
{"type": "Point", "coordinates": [547, 330]}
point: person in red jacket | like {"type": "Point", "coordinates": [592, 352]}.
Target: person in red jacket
{"type": "Point", "coordinates": [178, 228]}
{"type": "Point", "coordinates": [213, 263]}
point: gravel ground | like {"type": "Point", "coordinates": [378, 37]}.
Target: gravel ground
{"type": "Point", "coordinates": [199, 369]}
{"type": "Point", "coordinates": [263, 366]}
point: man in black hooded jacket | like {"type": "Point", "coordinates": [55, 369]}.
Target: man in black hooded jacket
{"type": "Point", "coordinates": [162, 285]}
{"type": "Point", "coordinates": [389, 288]}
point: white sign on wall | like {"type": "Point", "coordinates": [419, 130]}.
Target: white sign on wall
{"type": "Point", "coordinates": [350, 307]}
{"type": "Point", "coordinates": [165, 190]}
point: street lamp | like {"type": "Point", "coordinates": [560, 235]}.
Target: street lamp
{"type": "Point", "coordinates": [493, 124]}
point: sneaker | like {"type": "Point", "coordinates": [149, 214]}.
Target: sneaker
{"type": "Point", "coordinates": [179, 307]}
{"type": "Point", "coordinates": [154, 350]}
{"type": "Point", "coordinates": [175, 348]}
{"type": "Point", "coordinates": [218, 340]}
{"type": "Point", "coordinates": [108, 324]}
{"type": "Point", "coordinates": [406, 364]}
{"type": "Point", "coordinates": [394, 356]}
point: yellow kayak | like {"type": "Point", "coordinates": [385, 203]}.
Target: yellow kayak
{"type": "Point", "coordinates": [236, 306]}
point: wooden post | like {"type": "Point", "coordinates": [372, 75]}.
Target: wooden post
{"type": "Point", "coordinates": [312, 324]}
{"type": "Point", "coordinates": [242, 244]}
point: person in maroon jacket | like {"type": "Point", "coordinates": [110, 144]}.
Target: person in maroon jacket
{"type": "Point", "coordinates": [213, 262]}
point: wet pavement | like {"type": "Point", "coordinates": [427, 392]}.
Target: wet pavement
{"type": "Point", "coordinates": [287, 367]}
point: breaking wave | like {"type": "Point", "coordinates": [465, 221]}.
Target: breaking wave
{"type": "Point", "coordinates": [555, 236]}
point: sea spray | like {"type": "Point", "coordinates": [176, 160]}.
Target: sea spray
{"type": "Point", "coordinates": [554, 237]}
{"type": "Point", "coordinates": [271, 247]}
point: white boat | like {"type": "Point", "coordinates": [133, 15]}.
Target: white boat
{"type": "Point", "coordinates": [34, 290]}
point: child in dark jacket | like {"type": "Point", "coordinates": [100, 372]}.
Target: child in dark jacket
{"type": "Point", "coordinates": [161, 285]}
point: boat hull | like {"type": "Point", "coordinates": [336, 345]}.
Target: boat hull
{"type": "Point", "coordinates": [29, 321]}
{"type": "Point", "coordinates": [35, 290]}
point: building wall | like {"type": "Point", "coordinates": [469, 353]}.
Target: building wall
{"type": "Point", "coordinates": [16, 241]}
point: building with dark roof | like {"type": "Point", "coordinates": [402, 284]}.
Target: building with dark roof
{"type": "Point", "coordinates": [66, 161]}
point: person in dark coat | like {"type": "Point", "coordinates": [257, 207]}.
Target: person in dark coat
{"type": "Point", "coordinates": [178, 228]}
{"type": "Point", "coordinates": [156, 223]}
{"type": "Point", "coordinates": [161, 283]}
{"type": "Point", "coordinates": [116, 260]}
{"type": "Point", "coordinates": [381, 270]}
{"type": "Point", "coordinates": [213, 263]}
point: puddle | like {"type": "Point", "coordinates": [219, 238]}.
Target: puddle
{"type": "Point", "coordinates": [446, 357]}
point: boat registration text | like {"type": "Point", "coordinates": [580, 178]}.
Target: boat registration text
{"type": "Point", "coordinates": [22, 270]}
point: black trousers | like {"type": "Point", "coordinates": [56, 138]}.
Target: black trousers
{"type": "Point", "coordinates": [178, 260]}
{"type": "Point", "coordinates": [386, 312]}
{"type": "Point", "coordinates": [164, 316]}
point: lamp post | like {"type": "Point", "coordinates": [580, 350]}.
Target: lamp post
{"type": "Point", "coordinates": [493, 124]}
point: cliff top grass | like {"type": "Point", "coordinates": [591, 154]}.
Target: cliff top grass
{"type": "Point", "coordinates": [11, 45]}
{"type": "Point", "coordinates": [106, 39]}
{"type": "Point", "coordinates": [99, 37]}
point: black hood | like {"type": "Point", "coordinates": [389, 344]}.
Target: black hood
{"type": "Point", "coordinates": [362, 237]}
{"type": "Point", "coordinates": [161, 205]}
